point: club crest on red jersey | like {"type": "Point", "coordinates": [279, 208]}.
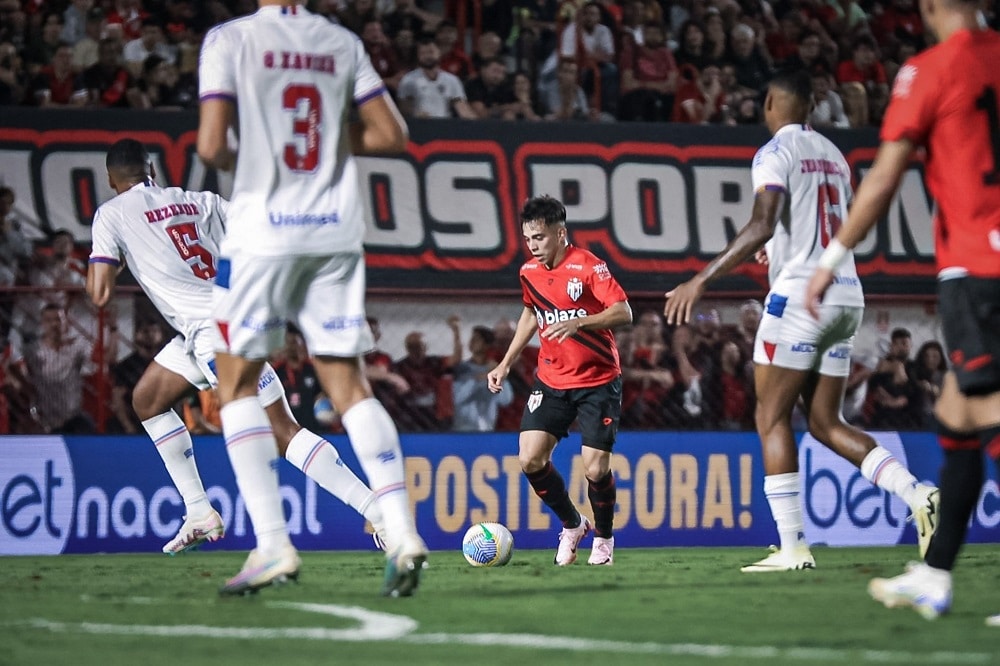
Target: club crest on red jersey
{"type": "Point", "coordinates": [574, 288]}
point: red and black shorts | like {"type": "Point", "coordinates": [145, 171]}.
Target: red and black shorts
{"type": "Point", "coordinates": [598, 410]}
{"type": "Point", "coordinates": [970, 320]}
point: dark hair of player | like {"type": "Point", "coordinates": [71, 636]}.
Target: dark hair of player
{"type": "Point", "coordinates": [545, 208]}
{"type": "Point", "coordinates": [796, 82]}
{"type": "Point", "coordinates": [128, 159]}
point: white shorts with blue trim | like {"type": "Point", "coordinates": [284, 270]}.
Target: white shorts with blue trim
{"type": "Point", "coordinates": [193, 358]}
{"type": "Point", "coordinates": [256, 297]}
{"type": "Point", "coordinates": [789, 337]}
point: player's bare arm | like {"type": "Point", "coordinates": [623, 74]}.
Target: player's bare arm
{"type": "Point", "coordinates": [767, 206]}
{"type": "Point", "coordinates": [871, 202]}
{"type": "Point", "coordinates": [523, 334]}
{"type": "Point", "coordinates": [613, 316]}
{"type": "Point", "coordinates": [101, 282]}
{"type": "Point", "coordinates": [216, 116]}
{"type": "Point", "coordinates": [380, 129]}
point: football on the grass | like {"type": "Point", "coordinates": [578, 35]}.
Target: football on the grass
{"type": "Point", "coordinates": [488, 545]}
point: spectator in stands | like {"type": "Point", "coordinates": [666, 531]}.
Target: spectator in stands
{"type": "Point", "coordinates": [692, 50]}
{"type": "Point", "coordinates": [13, 78]}
{"type": "Point", "coordinates": [521, 377]}
{"type": "Point", "coordinates": [454, 60]}
{"type": "Point", "coordinates": [411, 15]}
{"type": "Point", "coordinates": [592, 44]}
{"type": "Point", "coordinates": [753, 70]}
{"type": "Point", "coordinates": [649, 78]}
{"type": "Point", "coordinates": [808, 53]}
{"type": "Point", "coordinates": [18, 398]}
{"type": "Point", "coordinates": [356, 13]}
{"type": "Point", "coordinates": [126, 16]}
{"type": "Point", "coordinates": [57, 363]}
{"type": "Point", "coordinates": [87, 48]}
{"type": "Point", "coordinates": [536, 29]}
{"type": "Point", "coordinates": [496, 16]}
{"type": "Point", "coordinates": [427, 406]}
{"type": "Point", "coordinates": [387, 385]}
{"type": "Point", "coordinates": [109, 83]}
{"type": "Point", "coordinates": [75, 21]}
{"type": "Point", "coordinates": [716, 44]}
{"type": "Point", "coordinates": [476, 407]}
{"type": "Point", "coordinates": [784, 43]}
{"type": "Point", "coordinates": [490, 94]}
{"type": "Point", "coordinates": [828, 108]}
{"type": "Point", "coordinates": [646, 378]}
{"type": "Point", "coordinates": [430, 92]}
{"type": "Point", "coordinates": [152, 41]}
{"type": "Point", "coordinates": [165, 87]}
{"type": "Point", "coordinates": [526, 105]}
{"type": "Point", "coordinates": [700, 96]}
{"type": "Point", "coordinates": [147, 341]}
{"type": "Point", "coordinates": [40, 50]}
{"type": "Point", "coordinates": [893, 395]}
{"type": "Point", "coordinates": [298, 377]}
{"type": "Point", "coordinates": [489, 47]}
{"type": "Point", "coordinates": [632, 24]}
{"type": "Point", "coordinates": [15, 249]}
{"type": "Point", "coordinates": [56, 84]}
{"type": "Point", "coordinates": [381, 53]}
{"type": "Point", "coordinates": [864, 68]}
{"type": "Point", "coordinates": [744, 331]}
{"type": "Point", "coordinates": [929, 369]}
{"type": "Point", "coordinates": [564, 99]}
{"type": "Point", "coordinates": [404, 43]}
{"type": "Point", "coordinates": [57, 269]}
{"type": "Point", "coordinates": [730, 389]}
{"type": "Point", "coordinates": [899, 20]}
{"type": "Point", "coordinates": [855, 101]}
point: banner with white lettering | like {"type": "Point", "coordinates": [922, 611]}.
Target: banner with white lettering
{"type": "Point", "coordinates": [655, 201]}
{"type": "Point", "coordinates": [91, 494]}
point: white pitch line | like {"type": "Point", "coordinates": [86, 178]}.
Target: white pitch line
{"type": "Point", "coordinates": [386, 627]}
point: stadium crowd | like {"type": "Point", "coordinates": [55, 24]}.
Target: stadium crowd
{"type": "Point", "coordinates": [693, 61]}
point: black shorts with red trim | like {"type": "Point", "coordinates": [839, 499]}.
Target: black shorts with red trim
{"type": "Point", "coordinates": [970, 320]}
{"type": "Point", "coordinates": [598, 410]}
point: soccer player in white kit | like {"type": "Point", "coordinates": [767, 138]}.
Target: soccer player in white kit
{"type": "Point", "coordinates": [286, 79]}
{"type": "Point", "coordinates": [170, 237]}
{"type": "Point", "coordinates": [802, 186]}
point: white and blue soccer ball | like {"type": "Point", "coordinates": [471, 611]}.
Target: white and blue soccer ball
{"type": "Point", "coordinates": [324, 411]}
{"type": "Point", "coordinates": [488, 545]}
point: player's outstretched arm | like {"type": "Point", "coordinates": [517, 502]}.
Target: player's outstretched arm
{"type": "Point", "coordinates": [767, 207]}
{"type": "Point", "coordinates": [380, 128]}
{"type": "Point", "coordinates": [525, 330]}
{"type": "Point", "coordinates": [101, 282]}
{"type": "Point", "coordinates": [870, 204]}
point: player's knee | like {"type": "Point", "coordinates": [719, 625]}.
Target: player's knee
{"type": "Point", "coordinates": [530, 462]}
{"type": "Point", "coordinates": [143, 402]}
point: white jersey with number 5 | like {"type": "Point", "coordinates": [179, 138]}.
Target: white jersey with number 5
{"type": "Point", "coordinates": [293, 76]}
{"type": "Point", "coordinates": [816, 180]}
{"type": "Point", "coordinates": [170, 238]}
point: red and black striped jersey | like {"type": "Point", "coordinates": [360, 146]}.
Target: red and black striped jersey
{"type": "Point", "coordinates": [580, 285]}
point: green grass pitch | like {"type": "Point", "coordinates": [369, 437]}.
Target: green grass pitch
{"type": "Point", "coordinates": [655, 606]}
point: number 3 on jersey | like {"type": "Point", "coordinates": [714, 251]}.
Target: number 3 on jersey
{"type": "Point", "coordinates": [305, 104]}
{"type": "Point", "coordinates": [827, 205]}
{"type": "Point", "coordinates": [185, 239]}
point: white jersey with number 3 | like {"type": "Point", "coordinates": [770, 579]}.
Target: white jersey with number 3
{"type": "Point", "coordinates": [817, 182]}
{"type": "Point", "coordinates": [294, 76]}
{"type": "Point", "coordinates": [170, 238]}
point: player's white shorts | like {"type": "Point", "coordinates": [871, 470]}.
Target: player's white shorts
{"type": "Point", "coordinates": [255, 297]}
{"type": "Point", "coordinates": [789, 337]}
{"type": "Point", "coordinates": [193, 358]}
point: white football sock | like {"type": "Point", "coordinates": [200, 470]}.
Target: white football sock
{"type": "Point", "coordinates": [782, 492]}
{"type": "Point", "coordinates": [376, 444]}
{"type": "Point", "coordinates": [253, 454]}
{"type": "Point", "coordinates": [319, 460]}
{"type": "Point", "coordinates": [881, 468]}
{"type": "Point", "coordinates": [173, 443]}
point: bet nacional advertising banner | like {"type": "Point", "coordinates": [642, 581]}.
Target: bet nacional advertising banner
{"type": "Point", "coordinates": [656, 201]}
{"type": "Point", "coordinates": [112, 494]}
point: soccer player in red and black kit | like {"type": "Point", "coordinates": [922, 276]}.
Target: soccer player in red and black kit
{"type": "Point", "coordinates": [573, 300]}
{"type": "Point", "coordinates": [948, 100]}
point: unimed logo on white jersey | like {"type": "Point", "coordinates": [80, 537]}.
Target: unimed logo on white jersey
{"type": "Point", "coordinates": [841, 507]}
{"type": "Point", "coordinates": [36, 495]}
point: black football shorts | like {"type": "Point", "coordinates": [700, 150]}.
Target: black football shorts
{"type": "Point", "coordinates": [970, 319]}
{"type": "Point", "coordinates": [597, 409]}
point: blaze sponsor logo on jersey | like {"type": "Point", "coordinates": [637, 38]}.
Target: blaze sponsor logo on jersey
{"type": "Point", "coordinates": [534, 400]}
{"type": "Point", "coordinates": [547, 318]}
{"type": "Point", "coordinates": [803, 348]}
{"type": "Point", "coordinates": [574, 289]}
{"type": "Point", "coordinates": [905, 77]}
